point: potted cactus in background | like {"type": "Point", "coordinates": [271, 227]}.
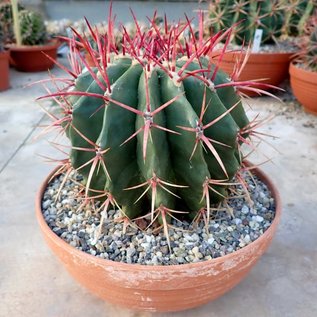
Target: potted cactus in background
{"type": "Point", "coordinates": [303, 70]}
{"type": "Point", "coordinates": [269, 27]}
{"type": "Point", "coordinates": [154, 206]}
{"type": "Point", "coordinates": [30, 47]}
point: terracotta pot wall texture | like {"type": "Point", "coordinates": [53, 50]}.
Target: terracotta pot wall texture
{"type": "Point", "coordinates": [159, 288]}
{"type": "Point", "coordinates": [4, 70]}
{"type": "Point", "coordinates": [32, 59]}
{"type": "Point", "coordinates": [271, 66]}
{"type": "Point", "coordinates": [304, 86]}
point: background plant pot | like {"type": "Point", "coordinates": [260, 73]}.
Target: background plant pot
{"type": "Point", "coordinates": [89, 60]}
{"type": "Point", "coordinates": [273, 66]}
{"type": "Point", "coordinates": [4, 70]}
{"type": "Point", "coordinates": [159, 288]}
{"type": "Point", "coordinates": [31, 58]}
{"type": "Point", "coordinates": [304, 86]}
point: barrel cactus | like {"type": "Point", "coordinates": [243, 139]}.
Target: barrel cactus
{"type": "Point", "coordinates": [155, 129]}
{"type": "Point", "coordinates": [278, 18]}
{"type": "Point", "coordinates": [33, 29]}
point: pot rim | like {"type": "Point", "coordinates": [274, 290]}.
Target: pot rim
{"type": "Point", "coordinates": [174, 267]}
{"type": "Point", "coordinates": [299, 72]}
{"type": "Point", "coordinates": [52, 44]}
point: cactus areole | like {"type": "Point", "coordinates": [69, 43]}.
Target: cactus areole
{"type": "Point", "coordinates": [155, 128]}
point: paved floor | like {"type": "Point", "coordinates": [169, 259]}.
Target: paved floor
{"type": "Point", "coordinates": [33, 283]}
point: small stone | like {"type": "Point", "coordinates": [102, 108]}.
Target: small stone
{"type": "Point", "coordinates": [117, 233]}
{"type": "Point", "coordinates": [46, 204]}
{"type": "Point", "coordinates": [195, 250]}
{"type": "Point", "coordinates": [237, 221]}
{"type": "Point", "coordinates": [211, 240]}
{"type": "Point", "coordinates": [258, 218]}
{"type": "Point", "coordinates": [242, 244]}
{"type": "Point", "coordinates": [130, 252]}
{"type": "Point", "coordinates": [245, 222]}
{"type": "Point", "coordinates": [245, 209]}
{"type": "Point", "coordinates": [247, 239]}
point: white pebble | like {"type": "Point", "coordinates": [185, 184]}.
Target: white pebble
{"type": "Point", "coordinates": [245, 209]}
{"type": "Point", "coordinates": [247, 239]}
{"type": "Point", "coordinates": [211, 240]}
{"type": "Point", "coordinates": [257, 218]}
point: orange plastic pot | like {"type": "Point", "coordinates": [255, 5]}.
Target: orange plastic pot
{"type": "Point", "coordinates": [159, 288]}
{"type": "Point", "coordinates": [271, 66]}
{"type": "Point", "coordinates": [304, 86]}
{"type": "Point", "coordinates": [31, 58]}
{"type": "Point", "coordinates": [4, 70]}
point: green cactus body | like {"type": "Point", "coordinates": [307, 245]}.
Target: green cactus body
{"type": "Point", "coordinates": [33, 29]}
{"type": "Point", "coordinates": [87, 120]}
{"type": "Point", "coordinates": [275, 18]}
{"type": "Point", "coordinates": [167, 150]}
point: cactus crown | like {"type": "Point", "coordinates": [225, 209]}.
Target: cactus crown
{"type": "Point", "coordinates": [155, 128]}
{"type": "Point", "coordinates": [276, 18]}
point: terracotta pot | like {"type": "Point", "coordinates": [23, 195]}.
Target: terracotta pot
{"type": "Point", "coordinates": [159, 288]}
{"type": "Point", "coordinates": [304, 86]}
{"type": "Point", "coordinates": [4, 70]}
{"type": "Point", "coordinates": [31, 58]}
{"type": "Point", "coordinates": [89, 60]}
{"type": "Point", "coordinates": [272, 66]}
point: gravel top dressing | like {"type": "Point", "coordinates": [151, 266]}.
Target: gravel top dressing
{"type": "Point", "coordinates": [100, 233]}
{"type": "Point", "coordinates": [280, 47]}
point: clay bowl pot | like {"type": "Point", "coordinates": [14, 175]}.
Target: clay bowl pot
{"type": "Point", "coordinates": [4, 70]}
{"type": "Point", "coordinates": [159, 288]}
{"type": "Point", "coordinates": [27, 58]}
{"type": "Point", "coordinates": [272, 66]}
{"type": "Point", "coordinates": [304, 86]}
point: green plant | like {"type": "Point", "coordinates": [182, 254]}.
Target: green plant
{"type": "Point", "coordinates": [28, 28]}
{"type": "Point", "coordinates": [277, 18]}
{"type": "Point", "coordinates": [154, 128]}
{"type": "Point", "coordinates": [33, 29]}
{"type": "Point", "coordinates": [308, 45]}
{"type": "Point", "coordinates": [296, 14]}
{"type": "Point", "coordinates": [6, 20]}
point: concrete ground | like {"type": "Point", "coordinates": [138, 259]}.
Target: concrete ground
{"type": "Point", "coordinates": [33, 282]}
